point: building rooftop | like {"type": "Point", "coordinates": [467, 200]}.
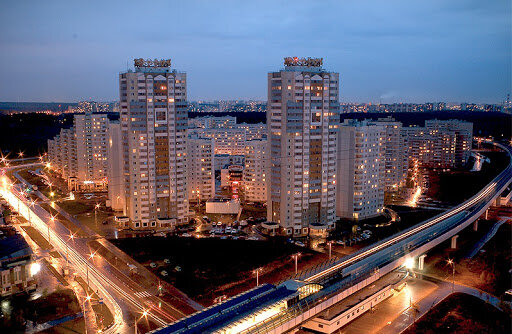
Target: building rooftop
{"type": "Point", "coordinates": [13, 246]}
{"type": "Point", "coordinates": [229, 312]}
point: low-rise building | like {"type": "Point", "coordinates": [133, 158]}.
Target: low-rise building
{"type": "Point", "coordinates": [18, 270]}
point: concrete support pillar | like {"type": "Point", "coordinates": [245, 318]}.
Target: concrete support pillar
{"type": "Point", "coordinates": [421, 261]}
{"type": "Point", "coordinates": [454, 241]}
{"type": "Point", "coordinates": [475, 225]}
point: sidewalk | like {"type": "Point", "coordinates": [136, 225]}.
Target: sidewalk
{"type": "Point", "coordinates": [407, 317]}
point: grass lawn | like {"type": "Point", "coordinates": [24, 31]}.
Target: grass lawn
{"type": "Point", "coordinates": [209, 263]}
{"type": "Point", "coordinates": [461, 313]}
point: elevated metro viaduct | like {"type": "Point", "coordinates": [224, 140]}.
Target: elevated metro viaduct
{"type": "Point", "coordinates": [281, 308]}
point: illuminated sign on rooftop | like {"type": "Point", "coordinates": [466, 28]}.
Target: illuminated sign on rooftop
{"type": "Point", "coordinates": [296, 61]}
{"type": "Point", "coordinates": [140, 62]}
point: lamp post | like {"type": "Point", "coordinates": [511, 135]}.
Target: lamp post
{"type": "Point", "coordinates": [144, 315]}
{"type": "Point", "coordinates": [52, 219]}
{"type": "Point", "coordinates": [452, 263]}
{"type": "Point", "coordinates": [96, 207]}
{"type": "Point", "coordinates": [330, 249]}
{"type": "Point", "coordinates": [91, 256]}
{"type": "Point", "coordinates": [88, 298]}
{"type": "Point", "coordinates": [296, 257]}
{"type": "Point", "coordinates": [257, 271]}
{"type": "Point", "coordinates": [71, 237]}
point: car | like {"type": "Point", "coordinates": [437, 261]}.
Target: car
{"type": "Point", "coordinates": [219, 224]}
{"type": "Point", "coordinates": [152, 265]}
{"type": "Point", "coordinates": [300, 244]}
{"type": "Point", "coordinates": [367, 232]}
{"type": "Point", "coordinates": [167, 261]}
{"type": "Point", "coordinates": [340, 242]}
{"type": "Point", "coordinates": [105, 222]}
{"type": "Point", "coordinates": [177, 268]}
{"type": "Point", "coordinates": [164, 273]}
{"type": "Point", "coordinates": [186, 235]}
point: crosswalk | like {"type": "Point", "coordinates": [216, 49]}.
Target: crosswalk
{"type": "Point", "coordinates": [142, 294]}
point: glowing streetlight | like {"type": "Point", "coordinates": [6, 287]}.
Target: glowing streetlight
{"type": "Point", "coordinates": [71, 237]}
{"type": "Point", "coordinates": [452, 263]}
{"type": "Point", "coordinates": [91, 256]}
{"type": "Point", "coordinates": [34, 268]}
{"type": "Point", "coordinates": [96, 207]}
{"type": "Point", "coordinates": [296, 258]}
{"type": "Point", "coordinates": [257, 272]}
{"type": "Point", "coordinates": [52, 219]}
{"type": "Point", "coordinates": [330, 248]}
{"type": "Point", "coordinates": [409, 263]}
{"type": "Point", "coordinates": [145, 314]}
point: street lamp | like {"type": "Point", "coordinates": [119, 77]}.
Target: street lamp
{"type": "Point", "coordinates": [257, 272]}
{"type": "Point", "coordinates": [452, 263]}
{"type": "Point", "coordinates": [91, 256]}
{"type": "Point", "coordinates": [296, 257]}
{"type": "Point", "coordinates": [71, 237]}
{"type": "Point", "coordinates": [86, 299]}
{"type": "Point", "coordinates": [330, 248]}
{"type": "Point", "coordinates": [144, 315]}
{"type": "Point", "coordinates": [96, 207]}
{"type": "Point", "coordinates": [52, 219]}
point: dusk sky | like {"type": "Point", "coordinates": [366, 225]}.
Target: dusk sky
{"type": "Point", "coordinates": [385, 51]}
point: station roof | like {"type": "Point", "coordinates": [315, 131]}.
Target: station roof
{"type": "Point", "coordinates": [233, 309]}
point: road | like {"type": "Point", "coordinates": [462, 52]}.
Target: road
{"type": "Point", "coordinates": [406, 318]}
{"type": "Point", "coordinates": [125, 298]}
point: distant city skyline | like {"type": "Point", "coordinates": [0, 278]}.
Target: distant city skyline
{"type": "Point", "coordinates": [398, 51]}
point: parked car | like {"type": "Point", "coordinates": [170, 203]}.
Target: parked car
{"type": "Point", "coordinates": [152, 265]}
{"type": "Point", "coordinates": [164, 273]}
{"type": "Point", "coordinates": [300, 244]}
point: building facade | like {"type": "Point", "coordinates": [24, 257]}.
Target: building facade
{"type": "Point", "coordinates": [17, 268]}
{"type": "Point", "coordinates": [395, 153]}
{"type": "Point", "coordinates": [153, 120]}
{"type": "Point", "coordinates": [302, 120]}
{"type": "Point", "coordinates": [360, 170]}
{"type": "Point", "coordinates": [200, 169]}
{"type": "Point", "coordinates": [115, 175]}
{"type": "Point", "coordinates": [440, 143]}
{"type": "Point", "coordinates": [255, 171]}
{"type": "Point", "coordinates": [229, 141]}
{"type": "Point", "coordinates": [79, 153]}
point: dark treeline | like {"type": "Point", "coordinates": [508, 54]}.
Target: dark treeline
{"type": "Point", "coordinates": [29, 132]}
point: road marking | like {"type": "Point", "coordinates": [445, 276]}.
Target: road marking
{"type": "Point", "coordinates": [142, 294]}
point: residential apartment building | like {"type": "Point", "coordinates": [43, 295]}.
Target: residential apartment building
{"type": "Point", "coordinates": [212, 122]}
{"type": "Point", "coordinates": [254, 131]}
{"type": "Point", "coordinates": [200, 169]}
{"type": "Point", "coordinates": [115, 175]}
{"type": "Point", "coordinates": [153, 117]}
{"type": "Point", "coordinates": [440, 143]}
{"type": "Point", "coordinates": [79, 153]}
{"type": "Point", "coordinates": [360, 170]}
{"type": "Point", "coordinates": [395, 153]}
{"type": "Point", "coordinates": [255, 171]}
{"type": "Point", "coordinates": [226, 140]}
{"type": "Point", "coordinates": [302, 119]}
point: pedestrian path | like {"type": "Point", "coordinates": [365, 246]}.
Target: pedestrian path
{"type": "Point", "coordinates": [487, 237]}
